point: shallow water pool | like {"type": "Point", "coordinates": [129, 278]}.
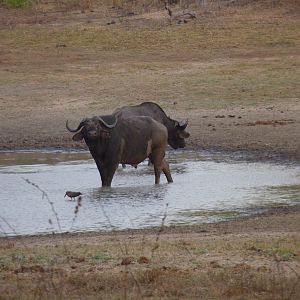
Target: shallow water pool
{"type": "Point", "coordinates": [206, 188]}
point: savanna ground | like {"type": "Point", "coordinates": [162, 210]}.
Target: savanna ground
{"type": "Point", "coordinates": [233, 71]}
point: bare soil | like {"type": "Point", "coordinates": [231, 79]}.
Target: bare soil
{"type": "Point", "coordinates": [232, 72]}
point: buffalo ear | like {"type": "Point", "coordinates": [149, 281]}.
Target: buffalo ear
{"type": "Point", "coordinates": [184, 134]}
{"type": "Point", "coordinates": [77, 136]}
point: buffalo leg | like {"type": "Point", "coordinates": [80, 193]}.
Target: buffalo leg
{"type": "Point", "coordinates": [111, 169]}
{"type": "Point", "coordinates": [166, 170]}
{"type": "Point", "coordinates": [156, 160]}
{"type": "Point", "coordinates": [157, 172]}
{"type": "Point", "coordinates": [101, 170]}
{"type": "Point", "coordinates": [160, 164]}
{"type": "Point", "coordinates": [106, 172]}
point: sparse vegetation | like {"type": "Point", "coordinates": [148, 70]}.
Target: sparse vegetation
{"type": "Point", "coordinates": [228, 268]}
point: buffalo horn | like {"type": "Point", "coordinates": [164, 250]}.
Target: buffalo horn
{"type": "Point", "coordinates": [74, 130]}
{"type": "Point", "coordinates": [108, 125]}
{"type": "Point", "coordinates": [183, 125]}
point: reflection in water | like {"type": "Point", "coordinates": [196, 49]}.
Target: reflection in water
{"type": "Point", "coordinates": [139, 193]}
{"type": "Point", "coordinates": [290, 193]}
{"type": "Point", "coordinates": [126, 207]}
{"type": "Point", "coordinates": [205, 189]}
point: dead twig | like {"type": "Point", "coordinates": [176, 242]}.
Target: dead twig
{"type": "Point", "coordinates": [156, 244]}
{"type": "Point", "coordinates": [45, 195]}
{"type": "Point", "coordinates": [295, 284]}
{"type": "Point", "coordinates": [9, 226]}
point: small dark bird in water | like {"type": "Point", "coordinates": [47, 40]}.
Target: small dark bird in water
{"type": "Point", "coordinates": [72, 194]}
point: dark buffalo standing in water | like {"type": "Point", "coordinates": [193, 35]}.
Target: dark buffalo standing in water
{"type": "Point", "coordinates": [176, 130]}
{"type": "Point", "coordinates": [112, 140]}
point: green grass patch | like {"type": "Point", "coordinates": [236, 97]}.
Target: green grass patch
{"type": "Point", "coordinates": [283, 254]}
{"type": "Point", "coordinates": [16, 3]}
{"type": "Point", "coordinates": [99, 257]}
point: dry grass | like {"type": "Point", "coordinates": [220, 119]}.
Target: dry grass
{"type": "Point", "coordinates": [225, 59]}
{"type": "Point", "coordinates": [211, 65]}
{"type": "Point", "coordinates": [58, 65]}
{"type": "Point", "coordinates": [210, 268]}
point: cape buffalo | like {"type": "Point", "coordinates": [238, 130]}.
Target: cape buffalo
{"type": "Point", "coordinates": [112, 140]}
{"type": "Point", "coordinates": [176, 130]}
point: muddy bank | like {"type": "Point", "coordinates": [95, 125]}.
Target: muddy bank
{"type": "Point", "coordinates": [265, 131]}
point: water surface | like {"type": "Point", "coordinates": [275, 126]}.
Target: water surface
{"type": "Point", "coordinates": [206, 188]}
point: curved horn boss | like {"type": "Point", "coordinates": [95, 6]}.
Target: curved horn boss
{"type": "Point", "coordinates": [108, 125]}
{"type": "Point", "coordinates": [183, 125]}
{"type": "Point", "coordinates": [74, 130]}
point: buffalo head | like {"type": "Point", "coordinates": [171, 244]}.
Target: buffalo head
{"type": "Point", "coordinates": [178, 135]}
{"type": "Point", "coordinates": [93, 128]}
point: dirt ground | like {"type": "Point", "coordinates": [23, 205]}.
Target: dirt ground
{"type": "Point", "coordinates": [232, 72]}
